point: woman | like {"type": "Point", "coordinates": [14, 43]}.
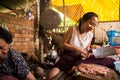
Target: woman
{"type": "Point", "coordinates": [12, 64]}
{"type": "Point", "coordinates": [76, 44]}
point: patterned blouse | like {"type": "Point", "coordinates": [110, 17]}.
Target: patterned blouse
{"type": "Point", "coordinates": [14, 65]}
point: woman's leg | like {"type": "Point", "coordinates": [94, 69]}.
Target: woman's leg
{"type": "Point", "coordinates": [53, 73]}
{"type": "Point", "coordinates": [65, 63]}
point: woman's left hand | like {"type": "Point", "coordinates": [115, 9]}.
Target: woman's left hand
{"type": "Point", "coordinates": [85, 54]}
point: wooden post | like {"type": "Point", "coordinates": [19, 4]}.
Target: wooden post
{"type": "Point", "coordinates": [64, 16]}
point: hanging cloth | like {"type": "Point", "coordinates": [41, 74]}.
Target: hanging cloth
{"type": "Point", "coordinates": [4, 25]}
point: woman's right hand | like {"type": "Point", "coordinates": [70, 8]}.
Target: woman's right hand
{"type": "Point", "coordinates": [83, 52]}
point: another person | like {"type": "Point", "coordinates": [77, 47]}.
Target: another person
{"type": "Point", "coordinates": [12, 64]}
{"type": "Point", "coordinates": [76, 44]}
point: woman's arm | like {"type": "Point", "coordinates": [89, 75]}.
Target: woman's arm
{"type": "Point", "coordinates": [21, 68]}
{"type": "Point", "coordinates": [89, 45]}
{"type": "Point", "coordinates": [66, 39]}
{"type": "Point", "coordinates": [67, 46]}
{"type": "Point", "coordinates": [86, 51]}
{"type": "Point", "coordinates": [30, 76]}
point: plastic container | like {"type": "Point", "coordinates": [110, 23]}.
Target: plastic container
{"type": "Point", "coordinates": [117, 48]}
{"type": "Point", "coordinates": [114, 37]}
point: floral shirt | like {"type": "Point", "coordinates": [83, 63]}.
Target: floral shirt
{"type": "Point", "coordinates": [14, 65]}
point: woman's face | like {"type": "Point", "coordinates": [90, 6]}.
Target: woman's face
{"type": "Point", "coordinates": [4, 48]}
{"type": "Point", "coordinates": [91, 23]}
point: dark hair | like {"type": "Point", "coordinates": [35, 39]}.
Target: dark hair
{"type": "Point", "coordinates": [5, 35]}
{"type": "Point", "coordinates": [86, 17]}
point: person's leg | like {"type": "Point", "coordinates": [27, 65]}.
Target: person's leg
{"type": "Point", "coordinates": [53, 73]}
{"type": "Point", "coordinates": [65, 63]}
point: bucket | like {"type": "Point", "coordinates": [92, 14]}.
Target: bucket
{"type": "Point", "coordinates": [117, 48]}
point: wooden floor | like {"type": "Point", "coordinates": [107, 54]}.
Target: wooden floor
{"type": "Point", "coordinates": [79, 78]}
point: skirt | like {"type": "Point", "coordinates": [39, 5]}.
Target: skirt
{"type": "Point", "coordinates": [8, 77]}
{"type": "Point", "coordinates": [69, 59]}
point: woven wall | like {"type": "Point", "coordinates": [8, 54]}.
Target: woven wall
{"type": "Point", "coordinates": [100, 34]}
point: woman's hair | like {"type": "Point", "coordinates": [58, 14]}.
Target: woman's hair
{"type": "Point", "coordinates": [86, 17]}
{"type": "Point", "coordinates": [5, 35]}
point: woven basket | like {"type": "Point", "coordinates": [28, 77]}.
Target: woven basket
{"type": "Point", "coordinates": [50, 19]}
{"type": "Point", "coordinates": [96, 72]}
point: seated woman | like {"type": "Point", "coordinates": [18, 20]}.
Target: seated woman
{"type": "Point", "coordinates": [76, 44]}
{"type": "Point", "coordinates": [12, 64]}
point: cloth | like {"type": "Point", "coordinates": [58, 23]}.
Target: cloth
{"type": "Point", "coordinates": [104, 51]}
{"type": "Point", "coordinates": [8, 77]}
{"type": "Point", "coordinates": [70, 59]}
{"type": "Point", "coordinates": [117, 66]}
{"type": "Point", "coordinates": [14, 65]}
{"type": "Point", "coordinates": [79, 41]}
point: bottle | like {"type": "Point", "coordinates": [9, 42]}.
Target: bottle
{"type": "Point", "coordinates": [104, 44]}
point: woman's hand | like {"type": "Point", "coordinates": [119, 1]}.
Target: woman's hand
{"type": "Point", "coordinates": [85, 54]}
